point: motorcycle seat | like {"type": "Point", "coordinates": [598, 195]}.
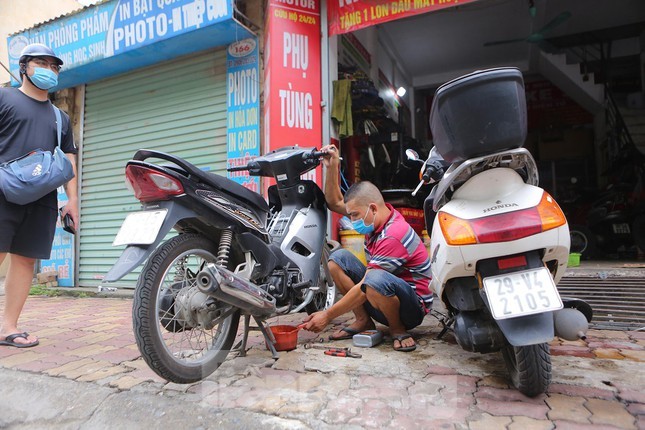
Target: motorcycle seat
{"type": "Point", "coordinates": [238, 191]}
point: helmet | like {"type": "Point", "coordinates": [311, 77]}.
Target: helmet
{"type": "Point", "coordinates": [38, 50]}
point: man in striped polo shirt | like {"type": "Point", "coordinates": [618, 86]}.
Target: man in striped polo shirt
{"type": "Point", "coordinates": [394, 287]}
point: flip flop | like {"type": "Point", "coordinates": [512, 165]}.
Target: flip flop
{"type": "Point", "coordinates": [350, 333]}
{"type": "Point", "coordinates": [401, 338]}
{"type": "Point", "coordinates": [10, 341]}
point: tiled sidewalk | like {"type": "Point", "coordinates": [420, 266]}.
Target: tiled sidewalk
{"type": "Point", "coordinates": [598, 383]}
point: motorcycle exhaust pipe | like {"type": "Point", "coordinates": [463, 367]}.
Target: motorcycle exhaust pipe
{"type": "Point", "coordinates": [224, 285]}
{"type": "Point", "coordinates": [570, 324]}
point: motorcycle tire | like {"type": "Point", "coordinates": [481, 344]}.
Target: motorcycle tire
{"type": "Point", "coordinates": [325, 297]}
{"type": "Point", "coordinates": [529, 367]}
{"type": "Point", "coordinates": [583, 241]}
{"type": "Point", "coordinates": [194, 352]}
{"type": "Point", "coordinates": [638, 232]}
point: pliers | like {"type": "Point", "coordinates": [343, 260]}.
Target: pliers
{"type": "Point", "coordinates": [337, 352]}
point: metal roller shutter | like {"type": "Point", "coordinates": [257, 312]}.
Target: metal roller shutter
{"type": "Point", "coordinates": [177, 107]}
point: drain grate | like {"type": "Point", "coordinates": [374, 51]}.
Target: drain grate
{"type": "Point", "coordinates": [617, 303]}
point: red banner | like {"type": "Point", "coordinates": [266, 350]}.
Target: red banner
{"type": "Point", "coordinates": [349, 15]}
{"type": "Point", "coordinates": [292, 85]}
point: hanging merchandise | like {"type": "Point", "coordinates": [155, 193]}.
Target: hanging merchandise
{"type": "Point", "coordinates": [341, 111]}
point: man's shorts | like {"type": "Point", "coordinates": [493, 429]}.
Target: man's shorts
{"type": "Point", "coordinates": [27, 230]}
{"type": "Point", "coordinates": [411, 312]}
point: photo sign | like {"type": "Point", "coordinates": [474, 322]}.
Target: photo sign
{"type": "Point", "coordinates": [243, 109]}
{"type": "Point", "coordinates": [115, 27]}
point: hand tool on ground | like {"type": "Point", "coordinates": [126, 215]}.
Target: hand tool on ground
{"type": "Point", "coordinates": [325, 347]}
{"type": "Point", "coordinates": [335, 352]}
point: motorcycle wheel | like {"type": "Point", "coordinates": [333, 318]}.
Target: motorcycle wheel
{"type": "Point", "coordinates": [325, 297]}
{"type": "Point", "coordinates": [166, 288]}
{"type": "Point", "coordinates": [638, 232]}
{"type": "Point", "coordinates": [583, 241]}
{"type": "Point", "coordinates": [529, 367]}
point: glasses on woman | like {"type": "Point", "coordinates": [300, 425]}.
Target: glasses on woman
{"type": "Point", "coordinates": [46, 64]}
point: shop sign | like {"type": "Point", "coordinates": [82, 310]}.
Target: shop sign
{"type": "Point", "coordinates": [547, 105]}
{"type": "Point", "coordinates": [61, 259]}
{"type": "Point", "coordinates": [292, 75]}
{"type": "Point", "coordinates": [115, 27]}
{"type": "Point", "coordinates": [350, 15]}
{"type": "Point", "coordinates": [243, 109]}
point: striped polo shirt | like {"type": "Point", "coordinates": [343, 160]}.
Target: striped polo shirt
{"type": "Point", "coordinates": [398, 249]}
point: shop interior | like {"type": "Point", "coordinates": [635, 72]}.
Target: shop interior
{"type": "Point", "coordinates": [589, 156]}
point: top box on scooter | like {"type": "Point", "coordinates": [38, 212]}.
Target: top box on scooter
{"type": "Point", "coordinates": [479, 113]}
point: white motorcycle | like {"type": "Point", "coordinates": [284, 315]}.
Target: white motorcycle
{"type": "Point", "coordinates": [499, 243]}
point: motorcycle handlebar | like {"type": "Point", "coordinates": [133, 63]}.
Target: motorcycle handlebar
{"type": "Point", "coordinates": [251, 166]}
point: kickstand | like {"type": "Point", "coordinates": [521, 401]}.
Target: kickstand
{"type": "Point", "coordinates": [446, 323]}
{"type": "Point", "coordinates": [245, 337]}
{"type": "Point", "coordinates": [268, 337]}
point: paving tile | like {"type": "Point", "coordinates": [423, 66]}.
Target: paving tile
{"type": "Point", "coordinates": [569, 425]}
{"type": "Point", "coordinates": [126, 382]}
{"type": "Point", "coordinates": [630, 395]}
{"type": "Point", "coordinates": [572, 351]}
{"type": "Point", "coordinates": [567, 408]}
{"type": "Point", "coordinates": [636, 409]}
{"type": "Point", "coordinates": [633, 355]}
{"type": "Point", "coordinates": [611, 344]}
{"type": "Point", "coordinates": [508, 395]}
{"type": "Point", "coordinates": [587, 392]}
{"type": "Point", "coordinates": [488, 422]}
{"type": "Point", "coordinates": [607, 353]}
{"type": "Point", "coordinates": [101, 373]}
{"type": "Point", "coordinates": [496, 407]}
{"type": "Point", "coordinates": [610, 413]}
{"type": "Point", "coordinates": [23, 356]}
{"type": "Point", "coordinates": [525, 423]}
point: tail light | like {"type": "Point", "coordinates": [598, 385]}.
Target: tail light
{"type": "Point", "coordinates": [504, 227]}
{"type": "Point", "coordinates": [149, 185]}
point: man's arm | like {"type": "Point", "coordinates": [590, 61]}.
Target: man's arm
{"type": "Point", "coordinates": [333, 195]}
{"type": "Point", "coordinates": [71, 189]}
{"type": "Point", "coordinates": [318, 321]}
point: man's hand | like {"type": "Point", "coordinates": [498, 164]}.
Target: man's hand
{"type": "Point", "coordinates": [316, 322]}
{"type": "Point", "coordinates": [71, 208]}
{"type": "Point", "coordinates": [332, 158]}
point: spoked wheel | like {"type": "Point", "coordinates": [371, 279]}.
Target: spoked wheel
{"type": "Point", "coordinates": [325, 296]}
{"type": "Point", "coordinates": [183, 334]}
{"type": "Point", "coordinates": [529, 367]}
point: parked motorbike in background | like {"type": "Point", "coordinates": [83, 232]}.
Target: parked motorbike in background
{"type": "Point", "coordinates": [611, 225]}
{"type": "Point", "coordinates": [499, 243]}
{"type": "Point", "coordinates": [234, 254]}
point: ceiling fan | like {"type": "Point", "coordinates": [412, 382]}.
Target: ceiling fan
{"type": "Point", "coordinates": [539, 36]}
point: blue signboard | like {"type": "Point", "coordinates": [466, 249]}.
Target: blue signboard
{"type": "Point", "coordinates": [107, 30]}
{"type": "Point", "coordinates": [61, 259]}
{"type": "Point", "coordinates": [243, 109]}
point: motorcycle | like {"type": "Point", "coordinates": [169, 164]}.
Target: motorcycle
{"type": "Point", "coordinates": [612, 226]}
{"type": "Point", "coordinates": [234, 255]}
{"type": "Point", "coordinates": [499, 243]}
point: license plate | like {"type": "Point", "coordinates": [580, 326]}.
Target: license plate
{"type": "Point", "coordinates": [622, 228]}
{"type": "Point", "coordinates": [522, 293]}
{"type": "Point", "coordinates": [140, 228]}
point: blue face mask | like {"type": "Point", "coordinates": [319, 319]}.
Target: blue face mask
{"type": "Point", "coordinates": [360, 227]}
{"type": "Point", "coordinates": [44, 78]}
